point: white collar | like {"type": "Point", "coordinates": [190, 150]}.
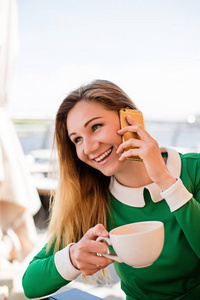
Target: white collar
{"type": "Point", "coordinates": [134, 196]}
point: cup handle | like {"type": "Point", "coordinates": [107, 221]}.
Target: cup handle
{"type": "Point", "coordinates": [109, 255]}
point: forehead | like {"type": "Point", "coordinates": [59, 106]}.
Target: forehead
{"type": "Point", "coordinates": [83, 111]}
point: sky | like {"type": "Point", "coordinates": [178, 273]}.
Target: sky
{"type": "Point", "coordinates": [150, 48]}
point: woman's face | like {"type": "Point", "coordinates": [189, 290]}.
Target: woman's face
{"type": "Point", "coordinates": [93, 130]}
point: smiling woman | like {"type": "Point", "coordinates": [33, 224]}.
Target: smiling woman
{"type": "Point", "coordinates": [100, 188]}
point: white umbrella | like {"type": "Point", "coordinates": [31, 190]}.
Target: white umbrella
{"type": "Point", "coordinates": [18, 194]}
{"type": "Point", "coordinates": [9, 46]}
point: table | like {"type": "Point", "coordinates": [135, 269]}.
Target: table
{"type": "Point", "coordinates": [73, 294]}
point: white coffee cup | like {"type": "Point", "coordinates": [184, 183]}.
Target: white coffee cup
{"type": "Point", "coordinates": [136, 244]}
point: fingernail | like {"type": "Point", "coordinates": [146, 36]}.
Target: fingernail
{"type": "Point", "coordinates": [104, 232]}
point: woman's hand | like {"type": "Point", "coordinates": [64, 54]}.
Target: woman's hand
{"type": "Point", "coordinates": [148, 150]}
{"type": "Point", "coordinates": [84, 254]}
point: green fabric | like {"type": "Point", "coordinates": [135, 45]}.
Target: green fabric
{"type": "Point", "coordinates": [175, 274]}
{"type": "Point", "coordinates": [41, 277]}
{"type": "Point", "coordinates": [177, 271]}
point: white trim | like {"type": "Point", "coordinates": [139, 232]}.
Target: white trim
{"type": "Point", "coordinates": [135, 196]}
{"type": "Point", "coordinates": [128, 196]}
{"type": "Point", "coordinates": [176, 195]}
{"type": "Point", "coordinates": [64, 265]}
{"type": "Point", "coordinates": [173, 162]}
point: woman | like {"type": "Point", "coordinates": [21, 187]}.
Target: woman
{"type": "Point", "coordinates": [99, 189]}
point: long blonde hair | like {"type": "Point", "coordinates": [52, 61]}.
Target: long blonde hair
{"type": "Point", "coordinates": [81, 199]}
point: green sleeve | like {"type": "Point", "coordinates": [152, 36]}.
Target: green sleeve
{"type": "Point", "coordinates": [41, 277]}
{"type": "Point", "coordinates": [188, 216]}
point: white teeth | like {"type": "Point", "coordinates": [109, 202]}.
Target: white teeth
{"type": "Point", "coordinates": [98, 159]}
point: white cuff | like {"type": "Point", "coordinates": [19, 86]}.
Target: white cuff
{"type": "Point", "coordinates": [176, 195]}
{"type": "Point", "coordinates": [64, 265]}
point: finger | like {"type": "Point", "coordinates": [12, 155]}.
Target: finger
{"type": "Point", "coordinates": [101, 261]}
{"type": "Point", "coordinates": [104, 262]}
{"type": "Point", "coordinates": [94, 247]}
{"type": "Point", "coordinates": [130, 121]}
{"type": "Point", "coordinates": [90, 269]}
{"type": "Point", "coordinates": [140, 130]}
{"type": "Point", "coordinates": [94, 264]}
{"type": "Point", "coordinates": [133, 128]}
{"type": "Point", "coordinates": [98, 230]}
{"type": "Point", "coordinates": [133, 143]}
{"type": "Point", "coordinates": [129, 154]}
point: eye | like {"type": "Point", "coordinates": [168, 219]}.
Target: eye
{"type": "Point", "coordinates": [96, 126]}
{"type": "Point", "coordinates": [77, 140]}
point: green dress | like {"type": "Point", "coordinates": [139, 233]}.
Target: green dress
{"type": "Point", "coordinates": [176, 273]}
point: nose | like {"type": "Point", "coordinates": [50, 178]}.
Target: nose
{"type": "Point", "coordinates": [90, 146]}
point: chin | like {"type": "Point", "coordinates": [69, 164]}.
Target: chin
{"type": "Point", "coordinates": [109, 173]}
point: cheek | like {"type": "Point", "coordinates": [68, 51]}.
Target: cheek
{"type": "Point", "coordinates": [118, 139]}
{"type": "Point", "coordinates": [111, 135]}
{"type": "Point", "coordinates": [80, 154]}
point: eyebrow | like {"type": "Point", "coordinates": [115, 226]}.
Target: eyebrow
{"type": "Point", "coordinates": [86, 124]}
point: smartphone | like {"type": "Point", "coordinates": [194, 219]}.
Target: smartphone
{"type": "Point", "coordinates": [138, 117]}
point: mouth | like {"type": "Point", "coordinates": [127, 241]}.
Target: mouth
{"type": "Point", "coordinates": [103, 156]}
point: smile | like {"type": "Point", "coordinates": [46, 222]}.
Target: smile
{"type": "Point", "coordinates": [103, 156]}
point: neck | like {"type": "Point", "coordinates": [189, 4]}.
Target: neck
{"type": "Point", "coordinates": [134, 176]}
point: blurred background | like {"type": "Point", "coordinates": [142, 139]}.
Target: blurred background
{"type": "Point", "coordinates": [150, 48]}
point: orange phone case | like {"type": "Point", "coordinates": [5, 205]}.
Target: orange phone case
{"type": "Point", "coordinates": [138, 117]}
